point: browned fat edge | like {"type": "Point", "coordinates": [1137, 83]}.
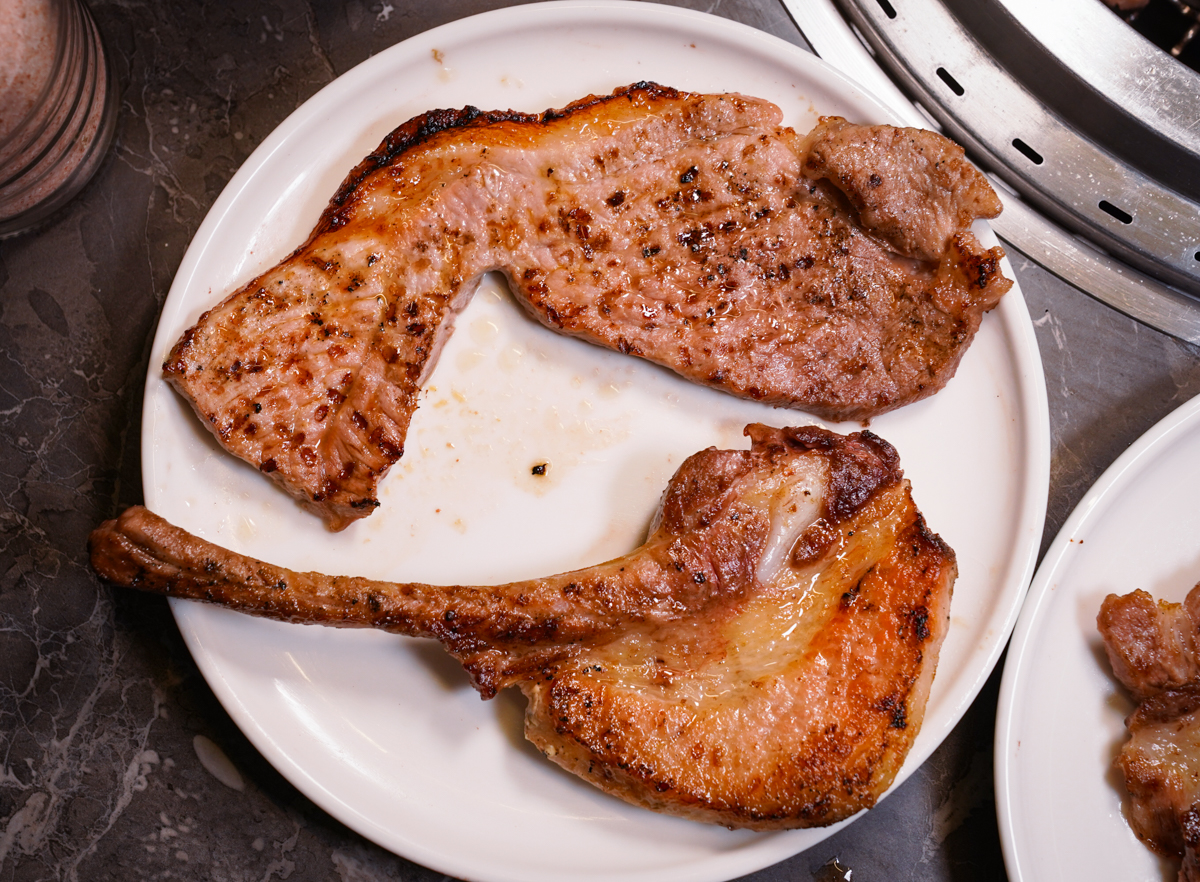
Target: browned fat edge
{"type": "Point", "coordinates": [926, 535]}
{"type": "Point", "coordinates": [175, 364]}
{"type": "Point", "coordinates": [860, 464]}
{"type": "Point", "coordinates": [421, 129]}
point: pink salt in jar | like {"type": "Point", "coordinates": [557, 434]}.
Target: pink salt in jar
{"type": "Point", "coordinates": [58, 107]}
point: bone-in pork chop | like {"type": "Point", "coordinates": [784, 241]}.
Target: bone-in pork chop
{"type": "Point", "coordinates": [762, 661]}
{"type": "Point", "coordinates": [1152, 647]}
{"type": "Point", "coordinates": [687, 229]}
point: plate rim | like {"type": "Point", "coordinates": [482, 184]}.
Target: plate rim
{"type": "Point", "coordinates": [1058, 559]}
{"type": "Point", "coordinates": [1028, 374]}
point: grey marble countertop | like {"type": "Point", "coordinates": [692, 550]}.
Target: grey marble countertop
{"type": "Point", "coordinates": [103, 713]}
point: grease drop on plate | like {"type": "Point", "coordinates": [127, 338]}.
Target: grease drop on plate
{"type": "Point", "coordinates": [833, 872]}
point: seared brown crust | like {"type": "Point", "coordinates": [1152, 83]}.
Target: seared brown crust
{"type": "Point", "coordinates": [857, 470]}
{"type": "Point", "coordinates": [1154, 649]}
{"type": "Point", "coordinates": [1152, 646]}
{"type": "Point", "coordinates": [713, 673]}
{"type": "Point", "coordinates": [681, 228]}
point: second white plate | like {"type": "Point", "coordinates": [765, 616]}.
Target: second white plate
{"type": "Point", "coordinates": [385, 733]}
{"type": "Point", "coordinates": [1061, 717]}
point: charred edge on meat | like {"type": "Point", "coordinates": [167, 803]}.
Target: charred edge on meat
{"type": "Point", "coordinates": [421, 128]}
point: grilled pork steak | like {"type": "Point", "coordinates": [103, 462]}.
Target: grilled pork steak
{"type": "Point", "coordinates": [687, 229]}
{"type": "Point", "coordinates": [762, 661]}
{"type": "Point", "coordinates": [1152, 647]}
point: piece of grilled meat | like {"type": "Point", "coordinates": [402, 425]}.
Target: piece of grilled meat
{"type": "Point", "coordinates": [686, 229]}
{"type": "Point", "coordinates": [1152, 647]}
{"type": "Point", "coordinates": [762, 661]}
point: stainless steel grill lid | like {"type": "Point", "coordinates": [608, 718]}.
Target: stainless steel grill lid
{"type": "Point", "coordinates": [1072, 109]}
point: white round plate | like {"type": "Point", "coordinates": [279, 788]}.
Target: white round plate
{"type": "Point", "coordinates": [384, 732]}
{"type": "Point", "coordinates": [1061, 716]}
